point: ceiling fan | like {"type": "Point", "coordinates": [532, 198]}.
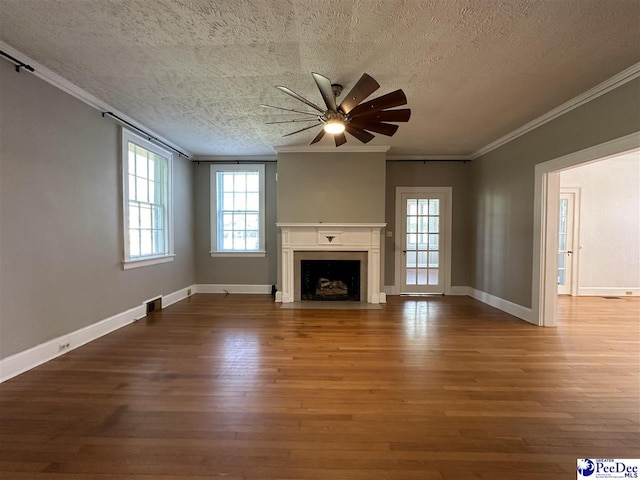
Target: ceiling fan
{"type": "Point", "coordinates": [356, 118]}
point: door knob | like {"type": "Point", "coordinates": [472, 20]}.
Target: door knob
{"type": "Point", "coordinates": [569, 252]}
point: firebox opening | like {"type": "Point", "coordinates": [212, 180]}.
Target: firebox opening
{"type": "Point", "coordinates": [327, 280]}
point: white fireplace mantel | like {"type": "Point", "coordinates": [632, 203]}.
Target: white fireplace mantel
{"type": "Point", "coordinates": [337, 237]}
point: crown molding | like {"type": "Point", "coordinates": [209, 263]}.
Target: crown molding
{"type": "Point", "coordinates": [612, 83]}
{"type": "Point", "coordinates": [427, 157]}
{"type": "Point", "coordinates": [72, 89]}
{"type": "Point", "coordinates": [325, 149]}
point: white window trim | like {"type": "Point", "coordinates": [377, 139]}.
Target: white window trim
{"type": "Point", "coordinates": [214, 252]}
{"type": "Point", "coordinates": [128, 262]}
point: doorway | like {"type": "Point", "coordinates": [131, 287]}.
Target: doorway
{"type": "Point", "coordinates": [423, 240]}
{"type": "Point", "coordinates": [546, 221]}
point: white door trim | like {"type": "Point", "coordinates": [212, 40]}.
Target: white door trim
{"type": "Point", "coordinates": [448, 194]}
{"type": "Point", "coordinates": [545, 221]}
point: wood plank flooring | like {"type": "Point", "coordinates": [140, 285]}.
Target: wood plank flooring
{"type": "Point", "coordinates": [234, 387]}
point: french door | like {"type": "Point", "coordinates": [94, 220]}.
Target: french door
{"type": "Point", "coordinates": [423, 241]}
{"type": "Point", "coordinates": [566, 248]}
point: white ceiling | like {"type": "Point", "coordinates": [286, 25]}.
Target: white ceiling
{"type": "Point", "coordinates": [195, 71]}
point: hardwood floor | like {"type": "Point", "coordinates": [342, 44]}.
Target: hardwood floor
{"type": "Point", "coordinates": [234, 387]}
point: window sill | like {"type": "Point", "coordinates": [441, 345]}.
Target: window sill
{"type": "Point", "coordinates": [144, 262]}
{"type": "Point", "coordinates": [259, 254]}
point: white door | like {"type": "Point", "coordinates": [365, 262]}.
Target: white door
{"type": "Point", "coordinates": [423, 242]}
{"type": "Point", "coordinates": [565, 243]}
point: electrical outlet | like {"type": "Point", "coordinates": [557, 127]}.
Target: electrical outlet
{"type": "Point", "coordinates": [628, 293]}
{"type": "Point", "coordinates": [188, 292]}
{"type": "Point", "coordinates": [389, 234]}
{"type": "Point", "coordinates": [63, 346]}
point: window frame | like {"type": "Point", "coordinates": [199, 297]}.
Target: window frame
{"type": "Point", "coordinates": [142, 261]}
{"type": "Point", "coordinates": [213, 202]}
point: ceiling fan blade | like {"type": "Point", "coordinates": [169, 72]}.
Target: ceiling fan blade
{"type": "Point", "coordinates": [318, 137]}
{"type": "Point", "coordinates": [289, 109]}
{"type": "Point", "coordinates": [362, 135]}
{"type": "Point", "coordinates": [324, 85]}
{"type": "Point", "coordinates": [293, 121]}
{"type": "Point", "coordinates": [401, 115]}
{"type": "Point", "coordinates": [301, 130]}
{"type": "Point", "coordinates": [390, 100]}
{"type": "Point", "coordinates": [339, 138]}
{"type": "Point", "coordinates": [361, 90]}
{"type": "Point", "coordinates": [290, 92]}
{"type": "Point", "coordinates": [387, 129]}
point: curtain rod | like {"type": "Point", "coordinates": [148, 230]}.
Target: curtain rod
{"type": "Point", "coordinates": [17, 63]}
{"type": "Point", "coordinates": [146, 134]}
{"type": "Point", "coordinates": [234, 162]}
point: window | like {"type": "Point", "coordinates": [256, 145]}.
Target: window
{"type": "Point", "coordinates": [237, 210]}
{"type": "Point", "coordinates": [147, 169]}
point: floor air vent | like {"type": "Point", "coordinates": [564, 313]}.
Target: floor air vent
{"type": "Point", "coordinates": [154, 305]}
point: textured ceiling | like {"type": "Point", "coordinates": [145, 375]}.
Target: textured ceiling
{"type": "Point", "coordinates": [195, 71]}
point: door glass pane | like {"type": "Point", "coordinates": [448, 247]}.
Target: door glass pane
{"type": "Point", "coordinates": [423, 206]}
{"type": "Point", "coordinates": [411, 241]}
{"type": "Point", "coordinates": [422, 259]}
{"type": "Point", "coordinates": [433, 259]}
{"type": "Point", "coordinates": [433, 241]}
{"type": "Point", "coordinates": [561, 260]}
{"type": "Point", "coordinates": [561, 277]}
{"type": "Point", "coordinates": [563, 242]}
{"type": "Point", "coordinates": [434, 224]}
{"type": "Point", "coordinates": [423, 225]}
{"type": "Point", "coordinates": [434, 206]}
{"type": "Point", "coordinates": [422, 276]}
{"type": "Point", "coordinates": [412, 224]}
{"type": "Point", "coordinates": [422, 241]}
{"type": "Point", "coordinates": [411, 259]}
{"type": "Point", "coordinates": [412, 206]}
{"type": "Point", "coordinates": [411, 276]}
{"type": "Point", "coordinates": [433, 276]}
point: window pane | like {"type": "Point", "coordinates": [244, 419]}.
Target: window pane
{"type": "Point", "coordinates": [132, 159]}
{"type": "Point", "coordinates": [227, 201]}
{"type": "Point", "coordinates": [141, 190]}
{"type": "Point", "coordinates": [158, 242]}
{"type": "Point", "coordinates": [434, 223]}
{"type": "Point", "coordinates": [134, 215]}
{"type": "Point", "coordinates": [252, 239]}
{"type": "Point", "coordinates": [158, 217]}
{"type": "Point", "coordinates": [227, 241]}
{"type": "Point", "coordinates": [239, 221]}
{"type": "Point", "coordinates": [239, 241]}
{"type": "Point", "coordinates": [239, 201]}
{"type": "Point", "coordinates": [132, 187]}
{"type": "Point", "coordinates": [252, 222]}
{"type": "Point", "coordinates": [227, 221]}
{"type": "Point", "coordinates": [253, 202]}
{"type": "Point", "coordinates": [141, 162]}
{"type": "Point", "coordinates": [253, 182]}
{"type": "Point", "coordinates": [146, 242]}
{"type": "Point", "coordinates": [134, 243]}
{"type": "Point", "coordinates": [145, 216]}
{"type": "Point", "coordinates": [240, 182]}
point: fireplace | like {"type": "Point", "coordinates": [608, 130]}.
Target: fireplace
{"type": "Point", "coordinates": [330, 243]}
{"type": "Point", "coordinates": [330, 280]}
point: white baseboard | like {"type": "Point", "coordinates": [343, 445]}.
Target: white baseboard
{"type": "Point", "coordinates": [609, 291]}
{"type": "Point", "coordinates": [506, 306]}
{"type": "Point", "coordinates": [383, 297]}
{"type": "Point", "coordinates": [246, 289]}
{"type": "Point", "coordinates": [26, 360]}
{"type": "Point", "coordinates": [390, 290]}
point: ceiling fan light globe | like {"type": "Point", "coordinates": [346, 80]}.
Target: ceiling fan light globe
{"type": "Point", "coordinates": [334, 126]}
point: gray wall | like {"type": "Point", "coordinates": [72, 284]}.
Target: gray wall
{"type": "Point", "coordinates": [433, 174]}
{"type": "Point", "coordinates": [61, 242]}
{"type": "Point", "coordinates": [331, 187]}
{"type": "Point", "coordinates": [234, 270]}
{"type": "Point", "coordinates": [503, 186]}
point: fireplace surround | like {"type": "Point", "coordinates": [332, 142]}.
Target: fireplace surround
{"type": "Point", "coordinates": [327, 241]}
